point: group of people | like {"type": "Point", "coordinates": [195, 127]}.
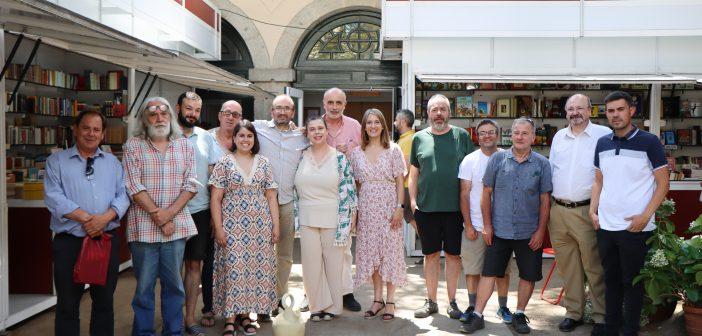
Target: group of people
{"type": "Point", "coordinates": [216, 209]}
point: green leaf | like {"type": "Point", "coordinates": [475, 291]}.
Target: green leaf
{"type": "Point", "coordinates": [693, 295]}
{"type": "Point", "coordinates": [698, 278]}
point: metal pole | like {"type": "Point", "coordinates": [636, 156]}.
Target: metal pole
{"type": "Point", "coordinates": [11, 56]}
{"type": "Point", "coordinates": [24, 70]}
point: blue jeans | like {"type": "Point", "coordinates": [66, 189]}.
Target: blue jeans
{"type": "Point", "coordinates": [162, 260]}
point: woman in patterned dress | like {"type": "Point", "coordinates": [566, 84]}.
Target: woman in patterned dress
{"type": "Point", "coordinates": [379, 169]}
{"type": "Point", "coordinates": [327, 209]}
{"type": "Point", "coordinates": [245, 215]}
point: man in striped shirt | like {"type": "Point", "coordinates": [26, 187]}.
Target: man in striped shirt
{"type": "Point", "coordinates": [160, 178]}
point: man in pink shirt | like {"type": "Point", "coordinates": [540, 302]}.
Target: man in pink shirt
{"type": "Point", "coordinates": [344, 132]}
{"type": "Point", "coordinates": [344, 135]}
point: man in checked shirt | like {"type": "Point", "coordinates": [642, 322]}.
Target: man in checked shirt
{"type": "Point", "coordinates": [160, 178]}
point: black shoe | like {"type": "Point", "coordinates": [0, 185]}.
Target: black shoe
{"type": "Point", "coordinates": [519, 321]}
{"type": "Point", "coordinates": [275, 311]}
{"type": "Point", "coordinates": [419, 261]}
{"type": "Point", "coordinates": [351, 304]}
{"type": "Point", "coordinates": [598, 330]}
{"type": "Point", "coordinates": [263, 317]}
{"type": "Point", "coordinates": [472, 324]}
{"type": "Point", "coordinates": [568, 324]}
{"type": "Point", "coordinates": [453, 311]}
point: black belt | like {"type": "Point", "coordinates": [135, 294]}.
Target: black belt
{"type": "Point", "coordinates": [569, 204]}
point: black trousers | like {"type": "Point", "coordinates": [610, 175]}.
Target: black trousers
{"type": "Point", "coordinates": [66, 248]}
{"type": "Point", "coordinates": [206, 277]}
{"type": "Point", "coordinates": [623, 254]}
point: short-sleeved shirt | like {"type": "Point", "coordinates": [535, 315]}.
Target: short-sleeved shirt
{"type": "Point", "coordinates": [207, 152]}
{"type": "Point", "coordinates": [405, 143]}
{"type": "Point", "coordinates": [516, 190]}
{"type": "Point", "coordinates": [627, 165]}
{"type": "Point", "coordinates": [349, 134]}
{"type": "Point", "coordinates": [163, 176]}
{"type": "Point", "coordinates": [437, 157]}
{"type": "Point", "coordinates": [472, 169]}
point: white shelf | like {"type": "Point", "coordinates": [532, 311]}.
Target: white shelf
{"type": "Point", "coordinates": [24, 306]}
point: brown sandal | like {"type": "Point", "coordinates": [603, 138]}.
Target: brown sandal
{"type": "Point", "coordinates": [387, 317]}
{"type": "Point", "coordinates": [373, 314]}
{"type": "Point", "coordinates": [207, 320]}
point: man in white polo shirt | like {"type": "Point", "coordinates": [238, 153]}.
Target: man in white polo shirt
{"type": "Point", "coordinates": [572, 235]}
{"type": "Point", "coordinates": [631, 181]}
{"type": "Point", "coordinates": [471, 172]}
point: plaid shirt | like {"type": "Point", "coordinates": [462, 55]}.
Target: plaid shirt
{"type": "Point", "coordinates": [163, 177]}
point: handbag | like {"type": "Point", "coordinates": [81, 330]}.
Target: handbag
{"type": "Point", "coordinates": [93, 260]}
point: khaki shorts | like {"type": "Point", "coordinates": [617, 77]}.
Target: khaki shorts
{"type": "Point", "coordinates": [473, 255]}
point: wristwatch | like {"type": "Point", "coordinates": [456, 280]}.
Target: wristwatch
{"type": "Point", "coordinates": [400, 205]}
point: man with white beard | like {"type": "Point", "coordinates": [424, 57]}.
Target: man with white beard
{"type": "Point", "coordinates": [160, 178]}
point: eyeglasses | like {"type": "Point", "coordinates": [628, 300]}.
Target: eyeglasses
{"type": "Point", "coordinates": [578, 109]}
{"type": "Point", "coordinates": [154, 108]}
{"type": "Point", "coordinates": [228, 113]}
{"type": "Point", "coordinates": [283, 108]}
{"type": "Point", "coordinates": [485, 133]}
{"type": "Point", "coordinates": [89, 170]}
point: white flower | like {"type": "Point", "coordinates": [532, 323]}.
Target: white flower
{"type": "Point", "coordinates": [658, 259]}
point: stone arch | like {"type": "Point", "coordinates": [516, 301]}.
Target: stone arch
{"type": "Point", "coordinates": [311, 16]}
{"type": "Point", "coordinates": [248, 31]}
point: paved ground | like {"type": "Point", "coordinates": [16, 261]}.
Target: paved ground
{"type": "Point", "coordinates": [544, 316]}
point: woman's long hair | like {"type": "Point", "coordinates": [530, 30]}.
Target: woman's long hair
{"type": "Point", "coordinates": [384, 135]}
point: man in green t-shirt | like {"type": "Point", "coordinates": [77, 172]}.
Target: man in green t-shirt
{"type": "Point", "coordinates": [434, 190]}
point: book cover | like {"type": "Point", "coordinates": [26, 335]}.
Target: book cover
{"type": "Point", "coordinates": [669, 137]}
{"type": "Point", "coordinates": [525, 106]}
{"type": "Point", "coordinates": [684, 136]}
{"type": "Point", "coordinates": [464, 107]}
{"type": "Point", "coordinates": [483, 110]}
{"type": "Point", "coordinates": [504, 108]}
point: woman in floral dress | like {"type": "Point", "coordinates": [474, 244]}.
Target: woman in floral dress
{"type": "Point", "coordinates": [245, 215]}
{"type": "Point", "coordinates": [379, 169]}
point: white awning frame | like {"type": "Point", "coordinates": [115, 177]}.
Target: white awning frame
{"type": "Point", "coordinates": [564, 79]}
{"type": "Point", "coordinates": [64, 29]}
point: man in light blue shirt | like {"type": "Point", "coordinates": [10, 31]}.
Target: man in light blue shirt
{"type": "Point", "coordinates": [196, 248]}
{"type": "Point", "coordinates": [282, 144]}
{"type": "Point", "coordinates": [85, 194]}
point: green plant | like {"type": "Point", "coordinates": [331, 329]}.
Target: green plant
{"type": "Point", "coordinates": [673, 268]}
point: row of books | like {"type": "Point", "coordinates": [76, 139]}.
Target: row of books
{"type": "Point", "coordinates": [682, 136]}
{"type": "Point", "coordinates": [112, 80]}
{"type": "Point", "coordinates": [59, 106]}
{"type": "Point", "coordinates": [518, 106]}
{"type": "Point", "coordinates": [33, 135]}
{"type": "Point", "coordinates": [445, 86]}
{"type": "Point", "coordinates": [544, 135]}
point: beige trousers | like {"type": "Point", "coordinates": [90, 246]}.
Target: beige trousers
{"type": "Point", "coordinates": [347, 276]}
{"type": "Point", "coordinates": [284, 247]}
{"type": "Point", "coordinates": [322, 268]}
{"type": "Point", "coordinates": [574, 241]}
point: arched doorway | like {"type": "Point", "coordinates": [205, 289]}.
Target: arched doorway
{"type": "Point", "coordinates": [344, 51]}
{"type": "Point", "coordinates": [236, 59]}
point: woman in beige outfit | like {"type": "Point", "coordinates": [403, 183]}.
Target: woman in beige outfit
{"type": "Point", "coordinates": [327, 214]}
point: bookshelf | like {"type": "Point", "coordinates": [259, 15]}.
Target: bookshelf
{"type": "Point", "coordinates": [681, 117]}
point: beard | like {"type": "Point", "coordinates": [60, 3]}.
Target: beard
{"type": "Point", "coordinates": [158, 131]}
{"type": "Point", "coordinates": [182, 121]}
{"type": "Point", "coordinates": [440, 127]}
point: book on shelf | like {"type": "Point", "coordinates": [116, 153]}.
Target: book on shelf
{"type": "Point", "coordinates": [36, 135]}
{"type": "Point", "coordinates": [684, 136]}
{"type": "Point", "coordinates": [464, 107]}
{"type": "Point", "coordinates": [525, 106]}
{"type": "Point", "coordinates": [670, 107]}
{"type": "Point", "coordinates": [504, 108]}
{"type": "Point", "coordinates": [669, 137]}
{"type": "Point", "coordinates": [112, 80]}
{"type": "Point", "coordinates": [483, 109]}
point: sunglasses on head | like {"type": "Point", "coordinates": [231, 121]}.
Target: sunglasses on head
{"type": "Point", "coordinates": [154, 108]}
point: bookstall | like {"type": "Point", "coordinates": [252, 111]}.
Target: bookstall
{"type": "Point", "coordinates": [529, 61]}
{"type": "Point", "coordinates": [79, 65]}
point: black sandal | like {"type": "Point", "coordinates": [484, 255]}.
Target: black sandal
{"type": "Point", "coordinates": [316, 317]}
{"type": "Point", "coordinates": [229, 332]}
{"type": "Point", "coordinates": [373, 314]}
{"type": "Point", "coordinates": [247, 328]}
{"type": "Point", "coordinates": [387, 317]}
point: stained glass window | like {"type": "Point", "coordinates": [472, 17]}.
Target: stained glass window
{"type": "Point", "coordinates": [350, 41]}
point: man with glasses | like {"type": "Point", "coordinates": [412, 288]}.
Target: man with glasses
{"type": "Point", "coordinates": [515, 208]}
{"type": "Point", "coordinates": [473, 245]}
{"type": "Point", "coordinates": [344, 134]}
{"type": "Point", "coordinates": [570, 226]}
{"type": "Point", "coordinates": [206, 155]}
{"type": "Point", "coordinates": [282, 143]}
{"type": "Point", "coordinates": [437, 152]}
{"type": "Point", "coordinates": [631, 181]}
{"type": "Point", "coordinates": [84, 192]}
{"type": "Point", "coordinates": [161, 179]}
{"type": "Point", "coordinates": [229, 116]}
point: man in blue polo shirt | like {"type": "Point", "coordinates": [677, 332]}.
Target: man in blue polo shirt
{"type": "Point", "coordinates": [631, 181]}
